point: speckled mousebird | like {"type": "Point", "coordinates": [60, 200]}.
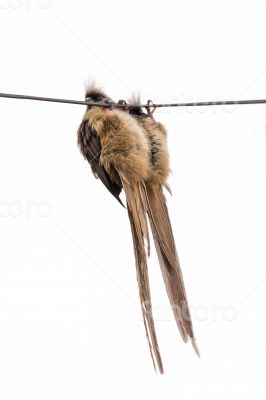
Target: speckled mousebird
{"type": "Point", "coordinates": [128, 150]}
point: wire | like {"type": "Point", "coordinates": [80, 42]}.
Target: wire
{"type": "Point", "coordinates": [124, 105]}
{"type": "Point", "coordinates": [51, 99]}
{"type": "Point", "coordinates": [212, 103]}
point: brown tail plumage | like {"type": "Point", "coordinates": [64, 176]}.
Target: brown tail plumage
{"type": "Point", "coordinates": [168, 259]}
{"type": "Point", "coordinates": [137, 213]}
{"type": "Point", "coordinates": [146, 199]}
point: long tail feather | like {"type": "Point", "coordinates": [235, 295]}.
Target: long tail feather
{"type": "Point", "coordinates": [137, 213]}
{"type": "Point", "coordinates": [167, 255]}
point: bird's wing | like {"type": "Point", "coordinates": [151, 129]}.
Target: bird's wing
{"type": "Point", "coordinates": [167, 255]}
{"type": "Point", "coordinates": [90, 147]}
{"type": "Point", "coordinates": [138, 221]}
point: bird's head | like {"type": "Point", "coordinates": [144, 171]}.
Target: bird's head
{"type": "Point", "coordinates": [96, 95]}
{"type": "Point", "coordinates": [135, 108]}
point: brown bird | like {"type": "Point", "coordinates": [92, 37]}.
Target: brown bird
{"type": "Point", "coordinates": [128, 150]}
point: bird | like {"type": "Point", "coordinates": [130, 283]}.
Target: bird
{"type": "Point", "coordinates": [127, 150]}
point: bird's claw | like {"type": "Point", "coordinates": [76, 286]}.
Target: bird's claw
{"type": "Point", "coordinates": [150, 107]}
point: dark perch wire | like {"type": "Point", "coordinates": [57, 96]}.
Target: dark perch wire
{"type": "Point", "coordinates": [122, 105]}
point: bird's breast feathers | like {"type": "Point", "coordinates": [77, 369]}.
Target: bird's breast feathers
{"type": "Point", "coordinates": [136, 148]}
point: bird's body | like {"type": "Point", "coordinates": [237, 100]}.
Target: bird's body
{"type": "Point", "coordinates": [129, 150]}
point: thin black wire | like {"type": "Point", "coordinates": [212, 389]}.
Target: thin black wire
{"type": "Point", "coordinates": [122, 105]}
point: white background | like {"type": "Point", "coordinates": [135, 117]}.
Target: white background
{"type": "Point", "coordinates": [70, 324]}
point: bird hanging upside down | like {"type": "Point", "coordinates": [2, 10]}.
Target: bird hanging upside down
{"type": "Point", "coordinates": [128, 150]}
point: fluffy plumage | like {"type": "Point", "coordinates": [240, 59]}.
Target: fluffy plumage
{"type": "Point", "coordinates": [133, 155]}
{"type": "Point", "coordinates": [124, 145]}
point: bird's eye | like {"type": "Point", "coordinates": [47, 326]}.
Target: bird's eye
{"type": "Point", "coordinates": [98, 97]}
{"type": "Point", "coordinates": [94, 98]}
